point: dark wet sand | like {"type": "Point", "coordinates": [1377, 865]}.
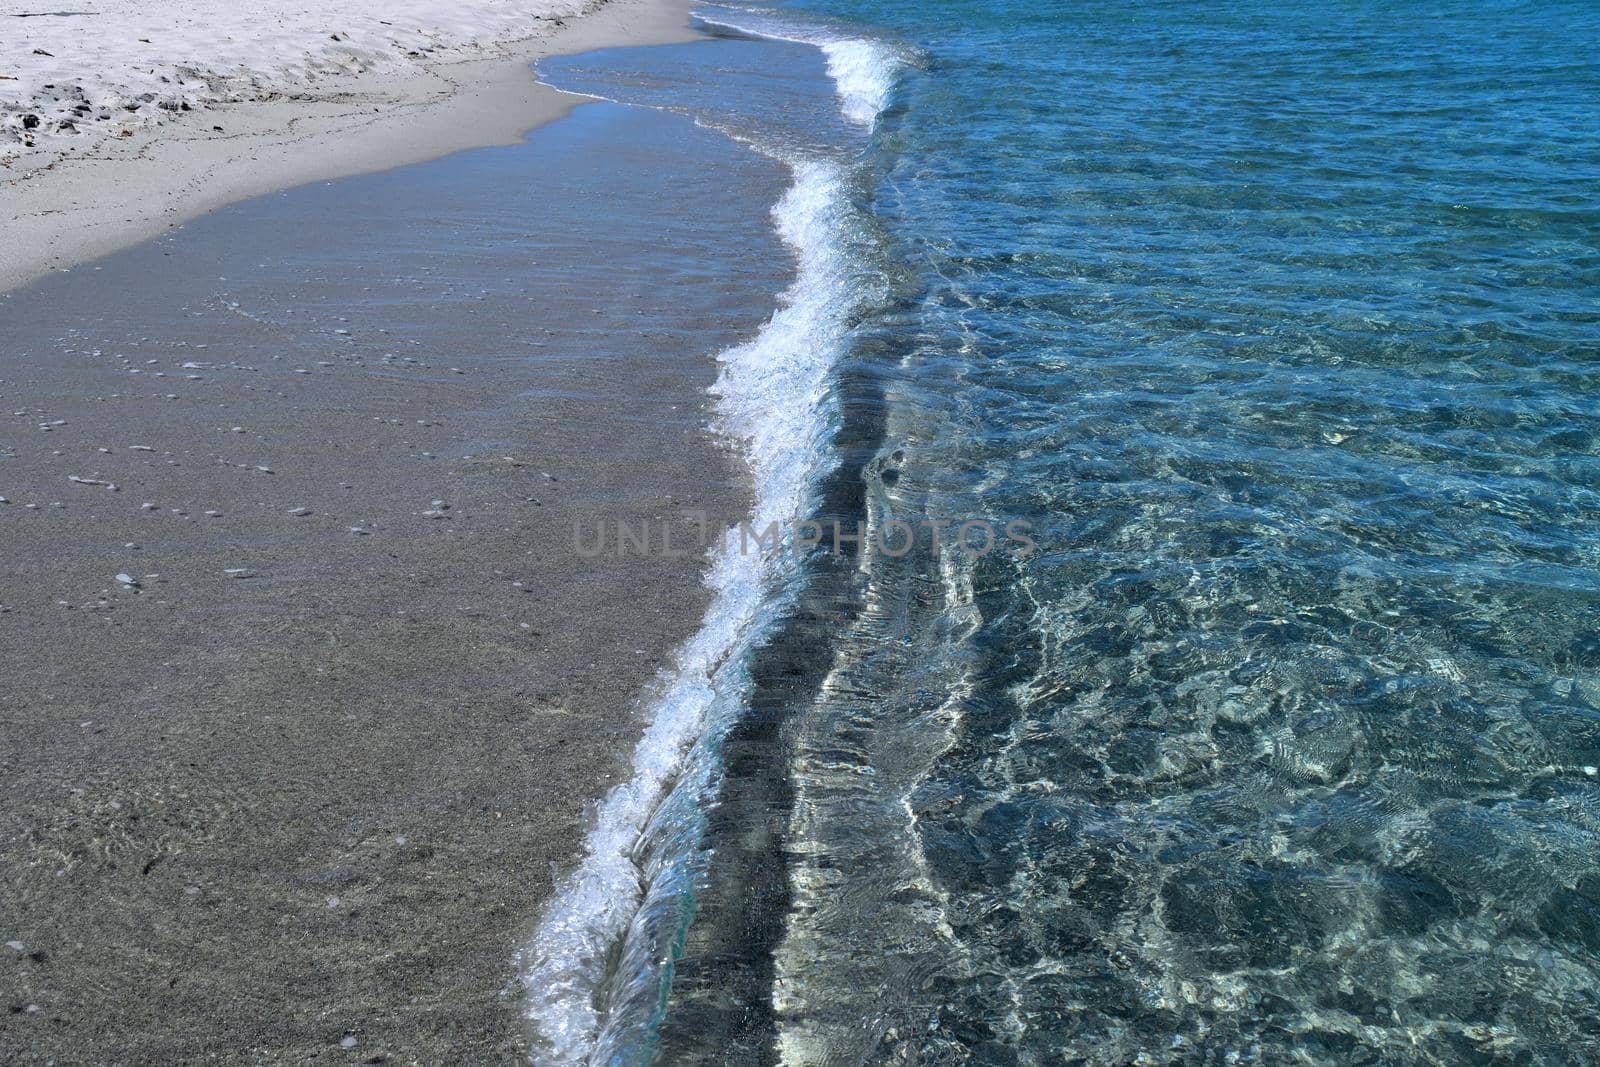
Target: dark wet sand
{"type": "Point", "coordinates": [248, 819]}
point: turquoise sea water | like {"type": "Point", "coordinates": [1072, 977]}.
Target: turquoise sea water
{"type": "Point", "coordinates": [1281, 326]}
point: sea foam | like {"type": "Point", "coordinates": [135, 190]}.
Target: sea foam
{"type": "Point", "coordinates": [596, 972]}
{"type": "Point", "coordinates": [863, 70]}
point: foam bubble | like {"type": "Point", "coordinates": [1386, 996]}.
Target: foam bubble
{"type": "Point", "coordinates": [772, 394]}
{"type": "Point", "coordinates": [629, 899]}
{"type": "Point", "coordinates": [863, 70]}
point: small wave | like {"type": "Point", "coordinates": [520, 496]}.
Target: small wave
{"type": "Point", "coordinates": [865, 74]}
{"type": "Point", "coordinates": [864, 70]}
{"type": "Point", "coordinates": [597, 970]}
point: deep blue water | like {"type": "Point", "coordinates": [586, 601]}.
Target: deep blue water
{"type": "Point", "coordinates": [1281, 326]}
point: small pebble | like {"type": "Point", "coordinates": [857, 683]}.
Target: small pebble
{"type": "Point", "coordinates": [128, 579]}
{"type": "Point", "coordinates": [214, 514]}
{"type": "Point", "coordinates": [359, 530]}
{"type": "Point", "coordinates": [300, 511]}
{"type": "Point", "coordinates": [147, 506]}
{"type": "Point", "coordinates": [348, 1042]}
{"type": "Point", "coordinates": [16, 946]}
{"type": "Point", "coordinates": [239, 572]}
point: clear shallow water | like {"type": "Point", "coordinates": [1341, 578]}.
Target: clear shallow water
{"type": "Point", "coordinates": [1280, 327]}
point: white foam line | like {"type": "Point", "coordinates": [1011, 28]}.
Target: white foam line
{"type": "Point", "coordinates": [769, 395]}
{"type": "Point", "coordinates": [772, 395]}
{"type": "Point", "coordinates": [863, 71]}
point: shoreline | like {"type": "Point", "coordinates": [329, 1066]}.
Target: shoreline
{"type": "Point", "coordinates": [707, 783]}
{"type": "Point", "coordinates": [64, 209]}
{"type": "Point", "coordinates": [310, 698]}
{"type": "Point", "coordinates": [306, 716]}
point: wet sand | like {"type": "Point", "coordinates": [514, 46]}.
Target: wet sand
{"type": "Point", "coordinates": [294, 786]}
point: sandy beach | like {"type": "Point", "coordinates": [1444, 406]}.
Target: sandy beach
{"type": "Point", "coordinates": [851, 532]}
{"type": "Point", "coordinates": [306, 689]}
{"type": "Point", "coordinates": [72, 197]}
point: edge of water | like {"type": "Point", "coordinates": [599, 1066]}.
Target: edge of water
{"type": "Point", "coordinates": [597, 971]}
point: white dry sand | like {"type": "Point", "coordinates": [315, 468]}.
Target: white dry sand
{"type": "Point", "coordinates": [122, 118]}
{"type": "Point", "coordinates": [89, 65]}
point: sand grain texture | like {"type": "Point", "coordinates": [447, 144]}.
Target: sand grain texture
{"type": "Point", "coordinates": [299, 720]}
{"type": "Point", "coordinates": [76, 197]}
